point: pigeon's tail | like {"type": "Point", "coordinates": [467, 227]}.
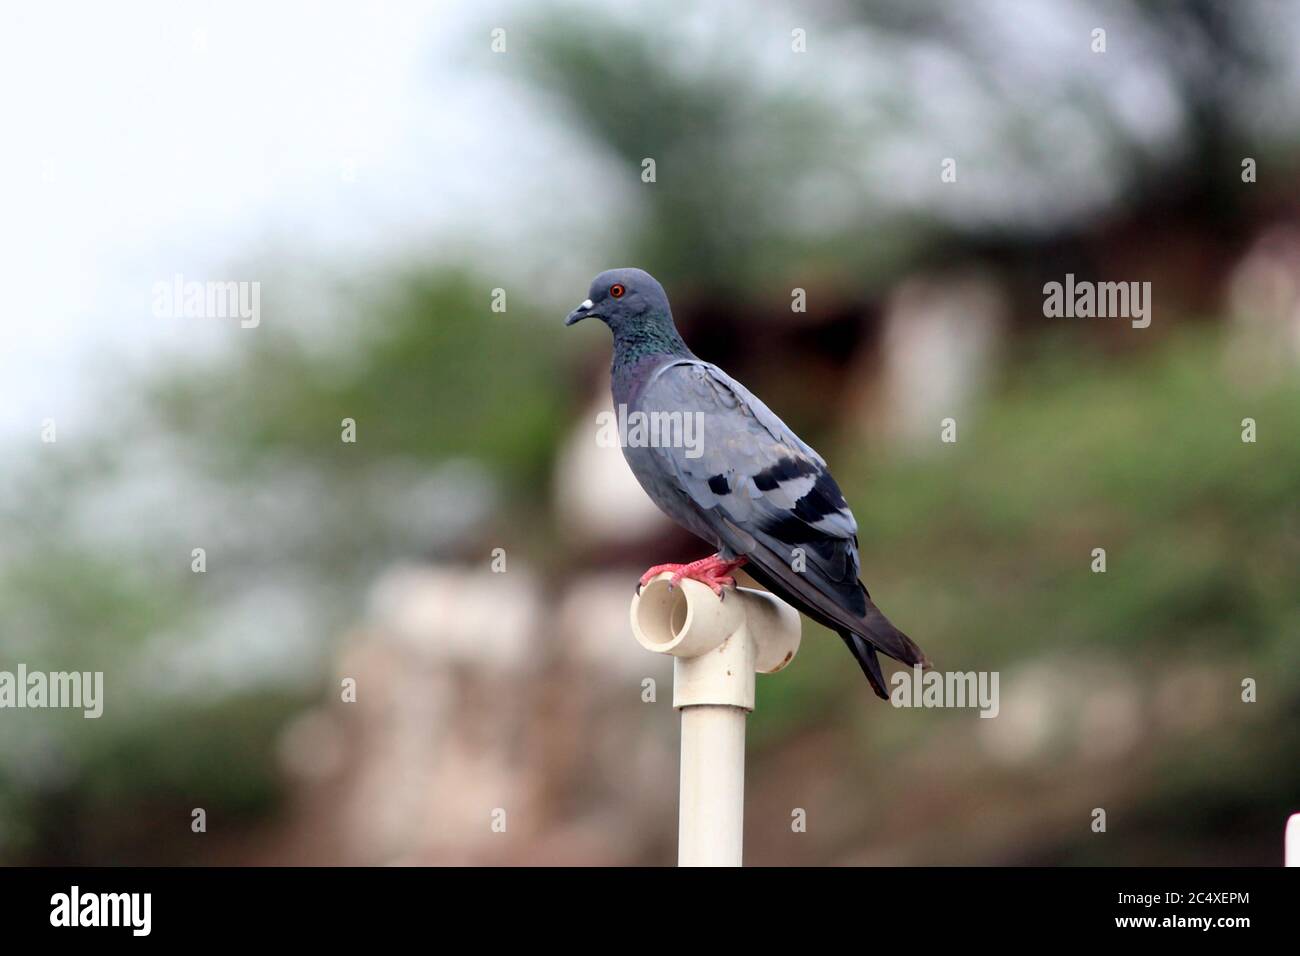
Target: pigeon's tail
{"type": "Point", "coordinates": [845, 608]}
{"type": "Point", "coordinates": [880, 631]}
{"type": "Point", "coordinates": [866, 657]}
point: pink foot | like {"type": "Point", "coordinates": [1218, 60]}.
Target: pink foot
{"type": "Point", "coordinates": [713, 571]}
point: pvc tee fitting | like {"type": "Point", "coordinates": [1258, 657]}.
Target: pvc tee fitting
{"type": "Point", "coordinates": [718, 644]}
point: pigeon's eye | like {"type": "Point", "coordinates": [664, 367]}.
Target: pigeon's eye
{"type": "Point", "coordinates": [617, 290]}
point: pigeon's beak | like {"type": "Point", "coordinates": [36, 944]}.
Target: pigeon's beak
{"type": "Point", "coordinates": [580, 313]}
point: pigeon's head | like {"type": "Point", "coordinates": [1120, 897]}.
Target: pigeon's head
{"type": "Point", "coordinates": [623, 297]}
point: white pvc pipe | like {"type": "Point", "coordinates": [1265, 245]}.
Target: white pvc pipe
{"type": "Point", "coordinates": [1292, 857]}
{"type": "Point", "coordinates": [717, 645]}
{"type": "Point", "coordinates": [710, 817]}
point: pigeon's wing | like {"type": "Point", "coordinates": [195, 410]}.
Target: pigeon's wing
{"type": "Point", "coordinates": [770, 497]}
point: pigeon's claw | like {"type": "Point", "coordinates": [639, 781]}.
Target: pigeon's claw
{"type": "Point", "coordinates": [657, 570]}
{"type": "Point", "coordinates": [713, 571]}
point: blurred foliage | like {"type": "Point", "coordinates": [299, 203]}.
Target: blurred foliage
{"type": "Point", "coordinates": [243, 456]}
{"type": "Point", "coordinates": [1141, 455]}
{"type": "Point", "coordinates": [722, 140]}
{"type": "Point", "coordinates": [427, 370]}
{"type": "Point", "coordinates": [983, 553]}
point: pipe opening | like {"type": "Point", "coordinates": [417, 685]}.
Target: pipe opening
{"type": "Point", "coordinates": [662, 614]}
{"type": "Point", "coordinates": [679, 614]}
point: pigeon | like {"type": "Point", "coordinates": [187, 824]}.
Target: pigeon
{"type": "Point", "coordinates": [745, 483]}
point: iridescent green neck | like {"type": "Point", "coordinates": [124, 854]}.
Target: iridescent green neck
{"type": "Point", "coordinates": [646, 335]}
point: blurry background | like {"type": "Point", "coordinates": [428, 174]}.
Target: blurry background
{"type": "Point", "coordinates": [380, 171]}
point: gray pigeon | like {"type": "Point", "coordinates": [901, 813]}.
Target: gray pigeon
{"type": "Point", "coordinates": [747, 484]}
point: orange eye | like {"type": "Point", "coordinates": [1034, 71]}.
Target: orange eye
{"type": "Point", "coordinates": [617, 290]}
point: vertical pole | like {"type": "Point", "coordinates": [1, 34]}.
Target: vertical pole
{"type": "Point", "coordinates": [711, 817]}
{"type": "Point", "coordinates": [1293, 840]}
{"type": "Point", "coordinates": [717, 645]}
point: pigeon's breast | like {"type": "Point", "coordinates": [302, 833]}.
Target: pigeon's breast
{"type": "Point", "coordinates": [651, 473]}
{"type": "Point", "coordinates": [628, 379]}
{"type": "Point", "coordinates": [648, 425]}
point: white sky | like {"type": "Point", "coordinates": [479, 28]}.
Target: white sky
{"type": "Point", "coordinates": [140, 140]}
{"type": "Point", "coordinates": [146, 139]}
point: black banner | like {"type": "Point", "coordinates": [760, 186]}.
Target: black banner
{"type": "Point", "coordinates": [237, 905]}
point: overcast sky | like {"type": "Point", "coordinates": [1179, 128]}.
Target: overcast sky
{"type": "Point", "coordinates": [149, 139]}
{"type": "Point", "coordinates": [215, 140]}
